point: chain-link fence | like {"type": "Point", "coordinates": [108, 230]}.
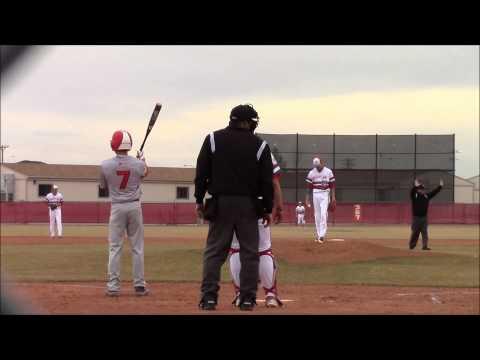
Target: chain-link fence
{"type": "Point", "coordinates": [368, 168]}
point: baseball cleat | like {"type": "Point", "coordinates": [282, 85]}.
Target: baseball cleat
{"type": "Point", "coordinates": [141, 291]}
{"type": "Point", "coordinates": [236, 301]}
{"type": "Point", "coordinates": [111, 293]}
{"type": "Point", "coordinates": [426, 248]}
{"type": "Point", "coordinates": [208, 305]}
{"type": "Point", "coordinates": [272, 302]}
{"type": "Point", "coordinates": [247, 305]}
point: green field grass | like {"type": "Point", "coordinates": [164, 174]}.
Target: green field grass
{"type": "Point", "coordinates": [456, 265]}
{"type": "Point", "coordinates": [383, 232]}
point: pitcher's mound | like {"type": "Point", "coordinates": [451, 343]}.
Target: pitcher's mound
{"type": "Point", "coordinates": [334, 251]}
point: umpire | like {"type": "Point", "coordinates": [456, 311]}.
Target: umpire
{"type": "Point", "coordinates": [235, 167]}
{"type": "Point", "coordinates": [420, 201]}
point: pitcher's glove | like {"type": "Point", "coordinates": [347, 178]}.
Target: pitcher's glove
{"type": "Point", "coordinates": [332, 206]}
{"type": "Point", "coordinates": [52, 206]}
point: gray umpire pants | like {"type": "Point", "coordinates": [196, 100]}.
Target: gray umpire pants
{"type": "Point", "coordinates": [419, 226]}
{"type": "Point", "coordinates": [234, 214]}
{"type": "Point", "coordinates": [125, 218]}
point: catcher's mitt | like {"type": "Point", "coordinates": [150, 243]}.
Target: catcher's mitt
{"type": "Point", "coordinates": [52, 207]}
{"type": "Point", "coordinates": [332, 206]}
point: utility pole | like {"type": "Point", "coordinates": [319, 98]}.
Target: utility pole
{"type": "Point", "coordinates": [2, 148]}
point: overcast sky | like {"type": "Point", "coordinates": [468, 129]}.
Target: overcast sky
{"type": "Point", "coordinates": [64, 103]}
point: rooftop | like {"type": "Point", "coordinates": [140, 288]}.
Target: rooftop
{"type": "Point", "coordinates": [91, 172]}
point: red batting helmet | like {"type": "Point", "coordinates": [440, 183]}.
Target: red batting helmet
{"type": "Point", "coordinates": [121, 140]}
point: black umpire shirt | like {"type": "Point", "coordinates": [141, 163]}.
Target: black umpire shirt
{"type": "Point", "coordinates": [234, 161]}
{"type": "Point", "coordinates": [420, 201]}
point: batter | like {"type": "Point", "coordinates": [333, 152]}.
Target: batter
{"type": "Point", "coordinates": [122, 176]}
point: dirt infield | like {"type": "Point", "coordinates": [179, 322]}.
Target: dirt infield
{"type": "Point", "coordinates": [182, 298]}
{"type": "Point", "coordinates": [305, 291]}
{"type": "Point", "coordinates": [340, 252]}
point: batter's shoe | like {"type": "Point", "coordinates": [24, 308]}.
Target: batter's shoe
{"type": "Point", "coordinates": [208, 305]}
{"type": "Point", "coordinates": [272, 302]}
{"type": "Point", "coordinates": [111, 293]}
{"type": "Point", "coordinates": [141, 291]}
{"type": "Point", "coordinates": [426, 248]}
{"type": "Point", "coordinates": [321, 240]}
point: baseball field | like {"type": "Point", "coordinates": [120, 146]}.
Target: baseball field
{"type": "Point", "coordinates": [370, 272]}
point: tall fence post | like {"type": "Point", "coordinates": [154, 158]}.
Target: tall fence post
{"type": "Point", "coordinates": [296, 172]}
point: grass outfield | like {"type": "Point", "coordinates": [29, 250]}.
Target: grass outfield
{"type": "Point", "coordinates": [174, 253]}
{"type": "Point", "coordinates": [386, 232]}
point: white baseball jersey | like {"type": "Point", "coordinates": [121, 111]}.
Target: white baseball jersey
{"type": "Point", "coordinates": [122, 175]}
{"type": "Point", "coordinates": [321, 181]}
{"type": "Point", "coordinates": [300, 209]}
{"type": "Point", "coordinates": [54, 199]}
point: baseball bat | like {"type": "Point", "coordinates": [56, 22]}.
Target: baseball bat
{"type": "Point", "coordinates": [153, 119]}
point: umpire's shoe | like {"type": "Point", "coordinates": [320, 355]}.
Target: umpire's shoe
{"type": "Point", "coordinates": [247, 305]}
{"type": "Point", "coordinates": [208, 304]}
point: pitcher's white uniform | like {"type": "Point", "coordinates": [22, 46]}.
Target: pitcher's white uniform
{"type": "Point", "coordinates": [321, 182]}
{"type": "Point", "coordinates": [300, 211]}
{"type": "Point", "coordinates": [56, 214]}
{"type": "Point", "coordinates": [122, 175]}
{"type": "Point", "coordinates": [267, 266]}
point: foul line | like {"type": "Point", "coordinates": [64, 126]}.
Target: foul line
{"type": "Point", "coordinates": [85, 286]}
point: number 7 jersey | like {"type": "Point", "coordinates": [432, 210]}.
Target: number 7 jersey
{"type": "Point", "coordinates": [122, 175]}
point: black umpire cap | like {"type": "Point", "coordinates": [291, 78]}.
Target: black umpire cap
{"type": "Point", "coordinates": [244, 112]}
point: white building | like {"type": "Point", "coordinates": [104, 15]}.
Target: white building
{"type": "Point", "coordinates": [475, 180]}
{"type": "Point", "coordinates": [31, 181]}
{"type": "Point", "coordinates": [464, 191]}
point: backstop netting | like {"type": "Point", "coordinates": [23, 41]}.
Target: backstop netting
{"type": "Point", "coordinates": [368, 168]}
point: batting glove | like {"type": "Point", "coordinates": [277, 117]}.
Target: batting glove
{"type": "Point", "coordinates": [140, 155]}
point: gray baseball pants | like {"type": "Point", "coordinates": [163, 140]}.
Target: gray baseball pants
{"type": "Point", "coordinates": [125, 218]}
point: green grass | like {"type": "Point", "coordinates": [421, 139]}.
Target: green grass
{"type": "Point", "coordinates": [456, 266]}
{"type": "Point", "coordinates": [385, 232]}
{"type": "Point", "coordinates": [442, 271]}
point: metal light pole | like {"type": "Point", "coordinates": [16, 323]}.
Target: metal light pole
{"type": "Point", "coordinates": [2, 148]}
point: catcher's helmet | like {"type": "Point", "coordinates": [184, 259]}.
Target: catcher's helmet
{"type": "Point", "coordinates": [121, 140]}
{"type": "Point", "coordinates": [244, 112]}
